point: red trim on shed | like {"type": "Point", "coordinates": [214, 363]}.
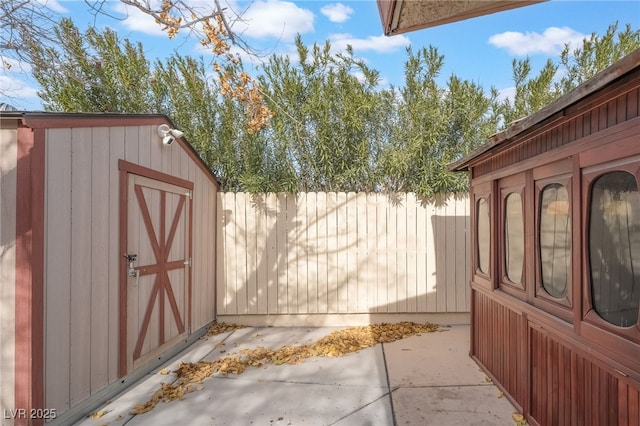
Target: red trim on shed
{"type": "Point", "coordinates": [29, 279]}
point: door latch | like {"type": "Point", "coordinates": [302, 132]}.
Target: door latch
{"type": "Point", "coordinates": [133, 272]}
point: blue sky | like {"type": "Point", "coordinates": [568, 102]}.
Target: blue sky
{"type": "Point", "coordinates": [480, 49]}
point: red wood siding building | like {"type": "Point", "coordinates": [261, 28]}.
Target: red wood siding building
{"type": "Point", "coordinates": [555, 246]}
{"type": "Point", "coordinates": [107, 257]}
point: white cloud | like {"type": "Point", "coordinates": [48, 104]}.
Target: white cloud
{"type": "Point", "coordinates": [337, 12]}
{"type": "Point", "coordinates": [136, 20]}
{"type": "Point", "coordinates": [550, 42]}
{"type": "Point", "coordinates": [17, 91]}
{"type": "Point", "coordinates": [274, 18]}
{"type": "Point", "coordinates": [378, 44]}
{"type": "Point", "coordinates": [507, 93]}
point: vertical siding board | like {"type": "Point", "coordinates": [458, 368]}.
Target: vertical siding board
{"type": "Point", "coordinates": [372, 264]}
{"type": "Point", "coordinates": [421, 257]}
{"type": "Point", "coordinates": [100, 260]}
{"type": "Point", "coordinates": [272, 254]}
{"type": "Point", "coordinates": [323, 251]}
{"type": "Point", "coordinates": [402, 279]}
{"type": "Point", "coordinates": [116, 152]}
{"type": "Point", "coordinates": [302, 238]}
{"type": "Point", "coordinates": [632, 104]}
{"type": "Point", "coordinates": [58, 270]}
{"type": "Point", "coordinates": [579, 126]}
{"type": "Point", "coordinates": [251, 251]}
{"type": "Point", "coordinates": [621, 108]}
{"type": "Point", "coordinates": [240, 241]}
{"type": "Point", "coordinates": [412, 253]}
{"type": "Point", "coordinates": [441, 258]}
{"type": "Point", "coordinates": [633, 407]}
{"type": "Point", "coordinates": [262, 280]}
{"type": "Point", "coordinates": [603, 117]}
{"type": "Point", "coordinates": [392, 258]}
{"type": "Point", "coordinates": [341, 247]}
{"type": "Point", "coordinates": [332, 252]}
{"type": "Point", "coordinates": [156, 148]}
{"type": "Point", "coordinates": [352, 252]}
{"type": "Point", "coordinates": [282, 253]}
{"type": "Point", "coordinates": [586, 124]}
{"type": "Point", "coordinates": [364, 272]}
{"type": "Point", "coordinates": [431, 236]}
{"type": "Point", "coordinates": [460, 256]}
{"type": "Point", "coordinates": [312, 253]}
{"type": "Point", "coordinates": [232, 227]}
{"type": "Point", "coordinates": [612, 111]}
{"type": "Point", "coordinates": [623, 403]}
{"type": "Point", "coordinates": [292, 254]}
{"type": "Point", "coordinates": [221, 269]}
{"type": "Point", "coordinates": [80, 301]}
{"type": "Point", "coordinates": [199, 287]}
{"type": "Point", "coordinates": [212, 259]}
{"type": "Point", "coordinates": [382, 254]}
{"type": "Point", "coordinates": [8, 193]}
{"type": "Point", "coordinates": [200, 255]}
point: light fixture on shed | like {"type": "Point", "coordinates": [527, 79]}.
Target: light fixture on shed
{"type": "Point", "coordinates": [168, 134]}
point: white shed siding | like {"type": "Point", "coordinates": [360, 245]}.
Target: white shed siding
{"type": "Point", "coordinates": [82, 250]}
{"type": "Point", "coordinates": [8, 160]}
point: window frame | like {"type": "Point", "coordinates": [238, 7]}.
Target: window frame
{"type": "Point", "coordinates": [515, 184]}
{"type": "Point", "coordinates": [560, 307]}
{"type": "Point", "coordinates": [485, 279]}
{"type": "Point", "coordinates": [592, 323]}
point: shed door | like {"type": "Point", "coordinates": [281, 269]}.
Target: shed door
{"type": "Point", "coordinates": [158, 293]}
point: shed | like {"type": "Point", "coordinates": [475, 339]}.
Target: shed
{"type": "Point", "coordinates": [107, 256]}
{"type": "Point", "coordinates": [555, 279]}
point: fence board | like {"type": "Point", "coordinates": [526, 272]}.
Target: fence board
{"type": "Point", "coordinates": [352, 253]}
{"type": "Point", "coordinates": [317, 253]}
{"type": "Point", "coordinates": [271, 253]}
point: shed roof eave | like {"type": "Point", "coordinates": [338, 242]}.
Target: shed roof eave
{"type": "Point", "coordinates": [402, 16]}
{"type": "Point", "coordinates": [597, 82]}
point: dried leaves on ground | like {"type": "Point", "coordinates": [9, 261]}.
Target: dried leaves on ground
{"type": "Point", "coordinates": [338, 343]}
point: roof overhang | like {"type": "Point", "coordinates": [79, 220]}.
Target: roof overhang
{"type": "Point", "coordinates": [400, 16]}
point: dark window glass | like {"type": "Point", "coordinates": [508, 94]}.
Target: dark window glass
{"type": "Point", "coordinates": [554, 235]}
{"type": "Point", "coordinates": [484, 235]}
{"type": "Point", "coordinates": [514, 238]}
{"type": "Point", "coordinates": [614, 248]}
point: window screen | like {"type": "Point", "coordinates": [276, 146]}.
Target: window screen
{"type": "Point", "coordinates": [554, 236]}
{"type": "Point", "coordinates": [614, 248]}
{"type": "Point", "coordinates": [484, 235]}
{"type": "Point", "coordinates": [514, 238]}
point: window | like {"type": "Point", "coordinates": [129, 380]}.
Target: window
{"type": "Point", "coordinates": [483, 235]}
{"type": "Point", "coordinates": [554, 236]}
{"type": "Point", "coordinates": [514, 238]}
{"type": "Point", "coordinates": [614, 248]}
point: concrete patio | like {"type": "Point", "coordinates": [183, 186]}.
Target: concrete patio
{"type": "Point", "coordinates": [426, 379]}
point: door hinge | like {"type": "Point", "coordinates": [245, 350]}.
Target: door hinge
{"type": "Point", "coordinates": [187, 262]}
{"type": "Point", "coordinates": [189, 194]}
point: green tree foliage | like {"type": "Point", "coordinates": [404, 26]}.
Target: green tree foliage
{"type": "Point", "coordinates": [576, 66]}
{"type": "Point", "coordinates": [334, 129]}
{"type": "Point", "coordinates": [434, 126]}
{"type": "Point", "coordinates": [91, 72]}
{"type": "Point", "coordinates": [329, 118]}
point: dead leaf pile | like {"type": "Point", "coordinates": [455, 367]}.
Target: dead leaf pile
{"type": "Point", "coordinates": [219, 328]}
{"type": "Point", "coordinates": [335, 344]}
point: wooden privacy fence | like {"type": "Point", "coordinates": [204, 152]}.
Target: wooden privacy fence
{"type": "Point", "coordinates": [341, 253]}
